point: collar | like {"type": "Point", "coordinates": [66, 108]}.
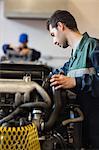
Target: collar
{"type": "Point", "coordinates": [81, 44]}
{"type": "Point", "coordinates": [83, 41]}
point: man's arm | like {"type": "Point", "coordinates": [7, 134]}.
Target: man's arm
{"type": "Point", "coordinates": [62, 70]}
{"type": "Point", "coordinates": [85, 83]}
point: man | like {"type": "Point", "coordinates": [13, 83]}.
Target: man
{"type": "Point", "coordinates": [81, 72]}
{"type": "Point", "coordinates": [22, 51]}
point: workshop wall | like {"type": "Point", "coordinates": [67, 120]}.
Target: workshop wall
{"type": "Point", "coordinates": [85, 11]}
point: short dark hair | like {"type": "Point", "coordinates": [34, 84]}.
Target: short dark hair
{"type": "Point", "coordinates": [64, 17]}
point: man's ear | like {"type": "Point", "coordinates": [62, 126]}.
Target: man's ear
{"type": "Point", "coordinates": [60, 25]}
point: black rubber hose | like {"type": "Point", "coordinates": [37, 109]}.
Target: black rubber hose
{"type": "Point", "coordinates": [57, 107]}
{"type": "Point", "coordinates": [10, 116]}
{"type": "Point", "coordinates": [18, 109]}
{"type": "Point", "coordinates": [35, 104]}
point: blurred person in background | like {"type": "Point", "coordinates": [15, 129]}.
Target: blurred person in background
{"type": "Point", "coordinates": [22, 52]}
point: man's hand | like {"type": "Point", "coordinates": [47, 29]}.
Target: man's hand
{"type": "Point", "coordinates": [61, 81]}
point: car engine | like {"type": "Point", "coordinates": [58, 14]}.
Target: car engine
{"type": "Point", "coordinates": [33, 115]}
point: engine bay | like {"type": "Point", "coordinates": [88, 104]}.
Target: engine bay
{"type": "Point", "coordinates": [27, 100]}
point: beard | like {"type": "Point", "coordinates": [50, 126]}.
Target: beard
{"type": "Point", "coordinates": [65, 45]}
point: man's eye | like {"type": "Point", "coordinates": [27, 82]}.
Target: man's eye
{"type": "Point", "coordinates": [52, 34]}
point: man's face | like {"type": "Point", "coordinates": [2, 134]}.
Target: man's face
{"type": "Point", "coordinates": [58, 37]}
{"type": "Point", "coordinates": [22, 45]}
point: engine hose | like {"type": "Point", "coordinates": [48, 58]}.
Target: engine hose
{"type": "Point", "coordinates": [72, 120]}
{"type": "Point", "coordinates": [10, 116]}
{"type": "Point", "coordinates": [57, 107]}
{"type": "Point", "coordinates": [35, 104]}
{"type": "Point", "coordinates": [19, 109]}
